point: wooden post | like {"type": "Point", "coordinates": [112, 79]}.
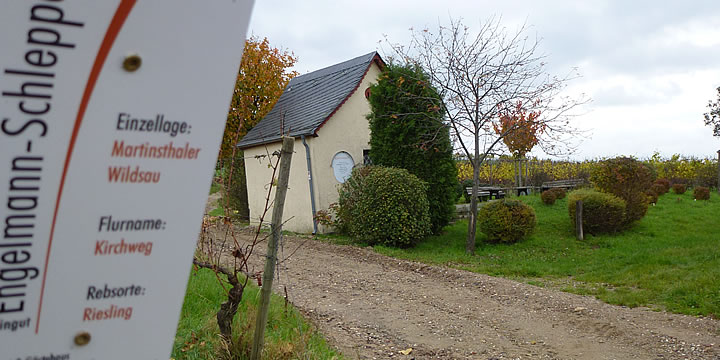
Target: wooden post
{"type": "Point", "coordinates": [276, 234]}
{"type": "Point", "coordinates": [490, 165]}
{"type": "Point", "coordinates": [527, 173]}
{"type": "Point", "coordinates": [578, 219]}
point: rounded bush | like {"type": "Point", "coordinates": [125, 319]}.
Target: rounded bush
{"type": "Point", "coordinates": [388, 206]}
{"type": "Point", "coordinates": [658, 189]}
{"type": "Point", "coordinates": [602, 212]}
{"type": "Point", "coordinates": [652, 196]}
{"type": "Point", "coordinates": [506, 221]}
{"type": "Point", "coordinates": [548, 197]}
{"type": "Point", "coordinates": [559, 193]}
{"type": "Point", "coordinates": [627, 179]}
{"type": "Point", "coordinates": [679, 188]}
{"type": "Point", "coordinates": [665, 183]}
{"type": "Point", "coordinates": [701, 193]}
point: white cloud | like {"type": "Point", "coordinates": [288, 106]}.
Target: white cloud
{"type": "Point", "coordinates": [702, 33]}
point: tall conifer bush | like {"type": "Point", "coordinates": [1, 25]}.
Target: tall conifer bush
{"type": "Point", "coordinates": [407, 131]}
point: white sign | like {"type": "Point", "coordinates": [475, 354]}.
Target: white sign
{"type": "Point", "coordinates": [342, 164]}
{"type": "Point", "coordinates": [111, 116]}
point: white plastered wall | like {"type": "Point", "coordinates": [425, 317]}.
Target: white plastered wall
{"type": "Point", "coordinates": [297, 214]}
{"type": "Point", "coordinates": [347, 130]}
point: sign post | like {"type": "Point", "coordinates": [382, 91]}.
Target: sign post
{"type": "Point", "coordinates": [111, 116]}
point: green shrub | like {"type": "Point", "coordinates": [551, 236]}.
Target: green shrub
{"type": "Point", "coordinates": [407, 130]}
{"type": "Point", "coordinates": [658, 189]}
{"type": "Point", "coordinates": [602, 212]}
{"type": "Point", "coordinates": [701, 193]}
{"type": "Point", "coordinates": [652, 196]}
{"type": "Point", "coordinates": [627, 179]}
{"type": "Point", "coordinates": [679, 188]}
{"type": "Point", "coordinates": [459, 189]}
{"type": "Point", "coordinates": [388, 206]}
{"type": "Point", "coordinates": [559, 193]}
{"type": "Point", "coordinates": [665, 183]}
{"type": "Point", "coordinates": [548, 197]}
{"type": "Point", "coordinates": [349, 194]}
{"type": "Point", "coordinates": [636, 207]}
{"type": "Point", "coordinates": [506, 221]}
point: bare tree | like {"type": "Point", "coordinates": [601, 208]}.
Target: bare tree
{"type": "Point", "coordinates": [483, 75]}
{"type": "Point", "coordinates": [712, 117]}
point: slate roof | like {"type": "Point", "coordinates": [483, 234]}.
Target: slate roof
{"type": "Point", "coordinates": [309, 100]}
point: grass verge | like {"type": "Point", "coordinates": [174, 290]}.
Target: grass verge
{"type": "Point", "coordinates": [287, 336]}
{"type": "Point", "coordinates": [669, 260]}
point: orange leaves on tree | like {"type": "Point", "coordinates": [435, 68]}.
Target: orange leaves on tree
{"type": "Point", "coordinates": [520, 129]}
{"type": "Point", "coordinates": [261, 79]}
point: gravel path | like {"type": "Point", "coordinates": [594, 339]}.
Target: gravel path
{"type": "Point", "coordinates": [372, 307]}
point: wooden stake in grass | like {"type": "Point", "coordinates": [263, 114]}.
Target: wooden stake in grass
{"type": "Point", "coordinates": [578, 220]}
{"type": "Point", "coordinates": [276, 234]}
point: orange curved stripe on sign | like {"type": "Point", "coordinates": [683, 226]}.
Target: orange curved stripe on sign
{"type": "Point", "coordinates": [121, 14]}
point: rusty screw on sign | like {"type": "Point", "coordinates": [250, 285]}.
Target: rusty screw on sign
{"type": "Point", "coordinates": [82, 338]}
{"type": "Point", "coordinates": [132, 62]}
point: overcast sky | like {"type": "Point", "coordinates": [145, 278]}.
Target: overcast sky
{"type": "Point", "coordinates": [650, 67]}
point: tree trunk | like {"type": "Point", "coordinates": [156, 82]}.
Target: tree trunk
{"type": "Point", "coordinates": [718, 183]}
{"type": "Point", "coordinates": [470, 241]}
{"type": "Point", "coordinates": [229, 308]}
{"type": "Point", "coordinates": [527, 174]}
{"type": "Point", "coordinates": [579, 220]}
{"type": "Point", "coordinates": [492, 180]}
{"type": "Point", "coordinates": [518, 172]}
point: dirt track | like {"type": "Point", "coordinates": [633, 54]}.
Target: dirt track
{"type": "Point", "coordinates": [372, 307]}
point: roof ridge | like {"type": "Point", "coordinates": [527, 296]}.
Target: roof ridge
{"type": "Point", "coordinates": [332, 69]}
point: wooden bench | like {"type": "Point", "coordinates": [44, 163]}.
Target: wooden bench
{"type": "Point", "coordinates": [563, 184]}
{"type": "Point", "coordinates": [485, 193]}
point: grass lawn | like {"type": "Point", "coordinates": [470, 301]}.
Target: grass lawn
{"type": "Point", "coordinates": [669, 260]}
{"type": "Point", "coordinates": [287, 335]}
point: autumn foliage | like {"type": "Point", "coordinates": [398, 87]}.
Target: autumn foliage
{"type": "Point", "coordinates": [628, 179]}
{"type": "Point", "coordinates": [520, 129]}
{"type": "Point", "coordinates": [678, 169]}
{"type": "Point", "coordinates": [261, 79]}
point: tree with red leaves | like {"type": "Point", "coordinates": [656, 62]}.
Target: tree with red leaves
{"type": "Point", "coordinates": [520, 130]}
